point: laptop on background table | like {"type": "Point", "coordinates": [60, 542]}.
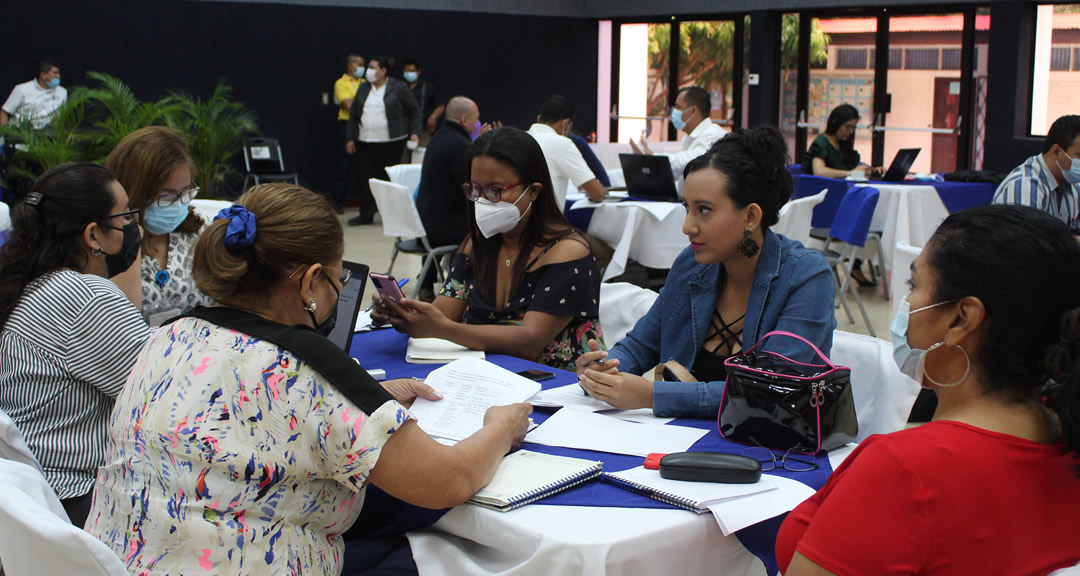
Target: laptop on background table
{"type": "Point", "coordinates": [649, 177]}
{"type": "Point", "coordinates": [901, 165]}
{"type": "Point", "coordinates": [349, 305]}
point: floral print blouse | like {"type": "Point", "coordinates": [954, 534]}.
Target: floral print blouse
{"type": "Point", "coordinates": [228, 455]}
{"type": "Point", "coordinates": [564, 288]}
{"type": "Point", "coordinates": [171, 292]}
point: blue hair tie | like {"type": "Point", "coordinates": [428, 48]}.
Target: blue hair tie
{"type": "Point", "coordinates": [241, 231]}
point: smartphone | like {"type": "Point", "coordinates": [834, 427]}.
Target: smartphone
{"type": "Point", "coordinates": [537, 375]}
{"type": "Point", "coordinates": [386, 285]}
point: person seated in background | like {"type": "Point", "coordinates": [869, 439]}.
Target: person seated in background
{"type": "Point", "coordinates": [565, 162]}
{"type": "Point", "coordinates": [1049, 181]}
{"type": "Point", "coordinates": [68, 335]}
{"type": "Point", "coordinates": [524, 282]}
{"type": "Point", "coordinates": [154, 166]}
{"type": "Point", "coordinates": [691, 114]}
{"type": "Point", "coordinates": [229, 453]}
{"type": "Point", "coordinates": [736, 282]}
{"type": "Point", "coordinates": [991, 485]}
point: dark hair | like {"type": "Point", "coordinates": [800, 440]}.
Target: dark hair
{"type": "Point", "coordinates": [556, 108]}
{"type": "Point", "coordinates": [411, 62]}
{"type": "Point", "coordinates": [383, 61]}
{"type": "Point", "coordinates": [45, 237]}
{"type": "Point", "coordinates": [753, 161]}
{"type": "Point", "coordinates": [838, 117]}
{"type": "Point", "coordinates": [353, 57]}
{"type": "Point", "coordinates": [1063, 132]}
{"type": "Point", "coordinates": [44, 65]}
{"type": "Point", "coordinates": [1024, 266]}
{"type": "Point", "coordinates": [699, 98]}
{"type": "Point", "coordinates": [519, 151]}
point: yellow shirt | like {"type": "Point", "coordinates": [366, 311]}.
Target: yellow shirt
{"type": "Point", "coordinates": [345, 89]}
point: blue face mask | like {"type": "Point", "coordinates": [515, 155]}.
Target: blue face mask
{"type": "Point", "coordinates": [53, 82]}
{"type": "Point", "coordinates": [411, 76]}
{"type": "Point", "coordinates": [359, 72]}
{"type": "Point", "coordinates": [912, 361]}
{"type": "Point", "coordinates": [1072, 175]}
{"type": "Point", "coordinates": [676, 119]}
{"type": "Point", "coordinates": [165, 219]}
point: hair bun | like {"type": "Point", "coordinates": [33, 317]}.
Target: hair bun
{"type": "Point", "coordinates": [768, 147]}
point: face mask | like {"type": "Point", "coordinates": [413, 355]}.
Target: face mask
{"type": "Point", "coordinates": [53, 82]}
{"type": "Point", "coordinates": [1072, 175]}
{"type": "Point", "coordinates": [475, 130]}
{"type": "Point", "coordinates": [359, 72]}
{"type": "Point", "coordinates": [912, 361]}
{"type": "Point", "coordinates": [371, 75]}
{"type": "Point", "coordinates": [497, 217]}
{"type": "Point", "coordinates": [676, 119]}
{"type": "Point", "coordinates": [164, 219]}
{"type": "Point", "coordinates": [327, 325]}
{"type": "Point", "coordinates": [122, 260]}
{"type": "Point", "coordinates": [411, 77]}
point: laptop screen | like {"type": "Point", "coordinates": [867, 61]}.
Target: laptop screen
{"type": "Point", "coordinates": [649, 177]}
{"type": "Point", "coordinates": [349, 305]}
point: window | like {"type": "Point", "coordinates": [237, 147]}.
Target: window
{"type": "Point", "coordinates": [851, 59]}
{"type": "Point", "coordinates": [896, 58]}
{"type": "Point", "coordinates": [1055, 74]}
{"type": "Point", "coordinates": [950, 58]}
{"type": "Point", "coordinates": [921, 58]}
{"type": "Point", "coordinates": [1059, 58]}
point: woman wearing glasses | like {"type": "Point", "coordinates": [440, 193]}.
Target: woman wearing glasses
{"type": "Point", "coordinates": [244, 440]}
{"type": "Point", "coordinates": [990, 486]}
{"type": "Point", "coordinates": [69, 334]}
{"type": "Point", "coordinates": [524, 282]}
{"type": "Point", "coordinates": [154, 165]}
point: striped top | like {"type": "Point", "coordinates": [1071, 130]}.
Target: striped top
{"type": "Point", "coordinates": [65, 353]}
{"type": "Point", "coordinates": [1032, 184]}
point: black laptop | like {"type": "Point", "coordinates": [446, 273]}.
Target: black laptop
{"type": "Point", "coordinates": [901, 164]}
{"type": "Point", "coordinates": [349, 305]}
{"type": "Point", "coordinates": [649, 177]}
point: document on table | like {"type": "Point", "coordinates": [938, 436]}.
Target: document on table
{"type": "Point", "coordinates": [588, 431]}
{"type": "Point", "coordinates": [572, 396]}
{"type": "Point", "coordinates": [469, 387]}
{"type": "Point", "coordinates": [363, 322]}
{"type": "Point", "coordinates": [437, 351]}
{"type": "Point", "coordinates": [783, 496]}
{"type": "Point", "coordinates": [693, 496]}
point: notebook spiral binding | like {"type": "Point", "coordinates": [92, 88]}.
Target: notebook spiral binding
{"type": "Point", "coordinates": [674, 500]}
{"type": "Point", "coordinates": [554, 488]}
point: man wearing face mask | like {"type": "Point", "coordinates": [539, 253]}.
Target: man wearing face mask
{"type": "Point", "coordinates": [690, 115]}
{"type": "Point", "coordinates": [37, 99]}
{"type": "Point", "coordinates": [344, 92]}
{"type": "Point", "coordinates": [564, 160]}
{"type": "Point", "coordinates": [427, 98]}
{"type": "Point", "coordinates": [1049, 181]}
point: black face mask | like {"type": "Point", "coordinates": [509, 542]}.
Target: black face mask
{"type": "Point", "coordinates": [327, 326]}
{"type": "Point", "coordinates": [122, 260]}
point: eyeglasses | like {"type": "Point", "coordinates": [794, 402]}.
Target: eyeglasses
{"type": "Point", "coordinates": [797, 459]}
{"type": "Point", "coordinates": [169, 197]}
{"type": "Point", "coordinates": [491, 193]}
{"type": "Point", "coordinates": [130, 217]}
{"type": "Point", "coordinates": [344, 274]}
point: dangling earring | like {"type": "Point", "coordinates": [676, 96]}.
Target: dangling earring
{"type": "Point", "coordinates": [311, 306]}
{"type": "Point", "coordinates": [748, 246]}
{"type": "Point", "coordinates": [951, 384]}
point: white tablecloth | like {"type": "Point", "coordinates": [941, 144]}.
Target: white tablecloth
{"type": "Point", "coordinates": [906, 213]}
{"type": "Point", "coordinates": [648, 232]}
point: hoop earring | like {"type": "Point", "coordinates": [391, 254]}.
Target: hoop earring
{"type": "Point", "coordinates": [311, 306]}
{"type": "Point", "coordinates": [967, 370]}
{"type": "Point", "coordinates": [748, 246]}
{"type": "Point", "coordinates": [96, 251]}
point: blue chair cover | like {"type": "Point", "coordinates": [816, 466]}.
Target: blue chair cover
{"type": "Point", "coordinates": [794, 169]}
{"type": "Point", "coordinates": [825, 212]}
{"type": "Point", "coordinates": [853, 217]}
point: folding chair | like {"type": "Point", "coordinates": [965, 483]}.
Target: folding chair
{"type": "Point", "coordinates": [622, 304]}
{"type": "Point", "coordinates": [824, 213]}
{"type": "Point", "coordinates": [263, 162]}
{"type": "Point", "coordinates": [401, 220]}
{"type": "Point", "coordinates": [795, 217]}
{"type": "Point", "coordinates": [883, 395]}
{"type": "Point", "coordinates": [851, 225]}
{"type": "Point", "coordinates": [408, 175]}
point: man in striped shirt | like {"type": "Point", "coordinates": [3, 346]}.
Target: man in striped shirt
{"type": "Point", "coordinates": [1049, 181]}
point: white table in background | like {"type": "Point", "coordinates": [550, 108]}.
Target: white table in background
{"type": "Point", "coordinates": [648, 232]}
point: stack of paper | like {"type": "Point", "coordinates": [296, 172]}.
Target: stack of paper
{"type": "Point", "coordinates": [572, 396]}
{"type": "Point", "coordinates": [524, 477]}
{"type": "Point", "coordinates": [437, 351]}
{"type": "Point", "coordinates": [588, 431]}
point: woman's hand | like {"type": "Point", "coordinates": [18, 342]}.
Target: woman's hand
{"type": "Point", "coordinates": [514, 418]}
{"type": "Point", "coordinates": [415, 318]}
{"type": "Point", "coordinates": [621, 390]}
{"type": "Point", "coordinates": [596, 359]}
{"type": "Point", "coordinates": [405, 390]}
{"type": "Point", "coordinates": [381, 313]}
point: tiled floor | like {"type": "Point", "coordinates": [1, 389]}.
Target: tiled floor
{"type": "Point", "coordinates": [368, 245]}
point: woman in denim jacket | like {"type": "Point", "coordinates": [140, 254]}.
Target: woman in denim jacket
{"type": "Point", "coordinates": [736, 282]}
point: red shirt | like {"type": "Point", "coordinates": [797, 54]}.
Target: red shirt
{"type": "Point", "coordinates": [942, 498]}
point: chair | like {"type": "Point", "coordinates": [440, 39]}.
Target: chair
{"type": "Point", "coordinates": [263, 162]}
{"type": "Point", "coordinates": [13, 446]}
{"type": "Point", "coordinates": [795, 217]}
{"type": "Point", "coordinates": [209, 208]}
{"type": "Point", "coordinates": [621, 305]}
{"type": "Point", "coordinates": [903, 257]}
{"type": "Point", "coordinates": [401, 220]}
{"type": "Point", "coordinates": [36, 536]}
{"type": "Point", "coordinates": [883, 395]}
{"type": "Point", "coordinates": [851, 225]}
{"type": "Point", "coordinates": [408, 175]}
{"type": "Point", "coordinates": [824, 213]}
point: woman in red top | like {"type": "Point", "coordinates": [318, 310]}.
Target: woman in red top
{"type": "Point", "coordinates": [990, 486]}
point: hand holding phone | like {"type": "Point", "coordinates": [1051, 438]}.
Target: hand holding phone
{"type": "Point", "coordinates": [387, 286]}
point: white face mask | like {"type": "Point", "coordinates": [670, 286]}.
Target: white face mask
{"type": "Point", "coordinates": [371, 75]}
{"type": "Point", "coordinates": [497, 217]}
{"type": "Point", "coordinates": [912, 361]}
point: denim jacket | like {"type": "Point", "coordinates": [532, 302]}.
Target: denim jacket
{"type": "Point", "coordinates": [793, 290]}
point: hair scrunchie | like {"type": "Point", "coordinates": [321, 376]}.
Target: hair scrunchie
{"type": "Point", "coordinates": [241, 231]}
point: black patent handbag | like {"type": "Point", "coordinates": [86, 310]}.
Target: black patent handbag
{"type": "Point", "coordinates": [776, 402]}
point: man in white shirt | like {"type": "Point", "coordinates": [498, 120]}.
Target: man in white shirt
{"type": "Point", "coordinates": [37, 99]}
{"type": "Point", "coordinates": [564, 160]}
{"type": "Point", "coordinates": [691, 115]}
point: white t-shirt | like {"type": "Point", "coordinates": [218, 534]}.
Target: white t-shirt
{"type": "Point", "coordinates": [695, 144]}
{"type": "Point", "coordinates": [564, 161]}
{"type": "Point", "coordinates": [374, 126]}
{"type": "Point", "coordinates": [30, 101]}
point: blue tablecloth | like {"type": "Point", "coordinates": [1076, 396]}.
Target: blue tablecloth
{"type": "Point", "coordinates": [956, 196]}
{"type": "Point", "coordinates": [385, 349]}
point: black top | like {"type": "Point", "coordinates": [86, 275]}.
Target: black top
{"type": "Point", "coordinates": [402, 113]}
{"type": "Point", "coordinates": [440, 201]}
{"type": "Point", "coordinates": [427, 97]}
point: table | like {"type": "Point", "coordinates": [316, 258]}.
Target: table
{"type": "Point", "coordinates": [593, 528]}
{"type": "Point", "coordinates": [648, 232]}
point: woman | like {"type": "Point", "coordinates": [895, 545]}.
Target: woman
{"type": "Point", "coordinates": [833, 154]}
{"type": "Point", "coordinates": [154, 166]}
{"type": "Point", "coordinates": [736, 282]}
{"type": "Point", "coordinates": [69, 334]}
{"type": "Point", "coordinates": [989, 486]}
{"type": "Point", "coordinates": [524, 282]}
{"type": "Point", "coordinates": [383, 115]}
{"type": "Point", "coordinates": [232, 453]}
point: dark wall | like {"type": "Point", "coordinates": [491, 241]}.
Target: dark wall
{"type": "Point", "coordinates": [280, 58]}
{"type": "Point", "coordinates": [1008, 88]}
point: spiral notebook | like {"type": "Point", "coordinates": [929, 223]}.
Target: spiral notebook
{"type": "Point", "coordinates": [524, 477]}
{"type": "Point", "coordinates": [693, 496]}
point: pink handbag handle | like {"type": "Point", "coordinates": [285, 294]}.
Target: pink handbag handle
{"type": "Point", "coordinates": [797, 337]}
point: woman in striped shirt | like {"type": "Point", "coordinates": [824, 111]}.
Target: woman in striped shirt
{"type": "Point", "coordinates": [69, 334]}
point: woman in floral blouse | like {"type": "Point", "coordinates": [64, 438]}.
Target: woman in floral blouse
{"type": "Point", "coordinates": [524, 282]}
{"type": "Point", "coordinates": [232, 454]}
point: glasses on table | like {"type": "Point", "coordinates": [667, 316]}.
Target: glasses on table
{"type": "Point", "coordinates": [169, 197]}
{"type": "Point", "coordinates": [797, 459]}
{"type": "Point", "coordinates": [491, 192]}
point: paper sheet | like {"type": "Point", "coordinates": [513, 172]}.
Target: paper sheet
{"type": "Point", "coordinates": [437, 351]}
{"type": "Point", "coordinates": [573, 397]}
{"type": "Point", "coordinates": [588, 431]}
{"type": "Point", "coordinates": [363, 322]}
{"type": "Point", "coordinates": [785, 495]}
{"type": "Point", "coordinates": [469, 387]}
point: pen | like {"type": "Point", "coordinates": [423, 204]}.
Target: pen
{"type": "Point", "coordinates": [401, 283]}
